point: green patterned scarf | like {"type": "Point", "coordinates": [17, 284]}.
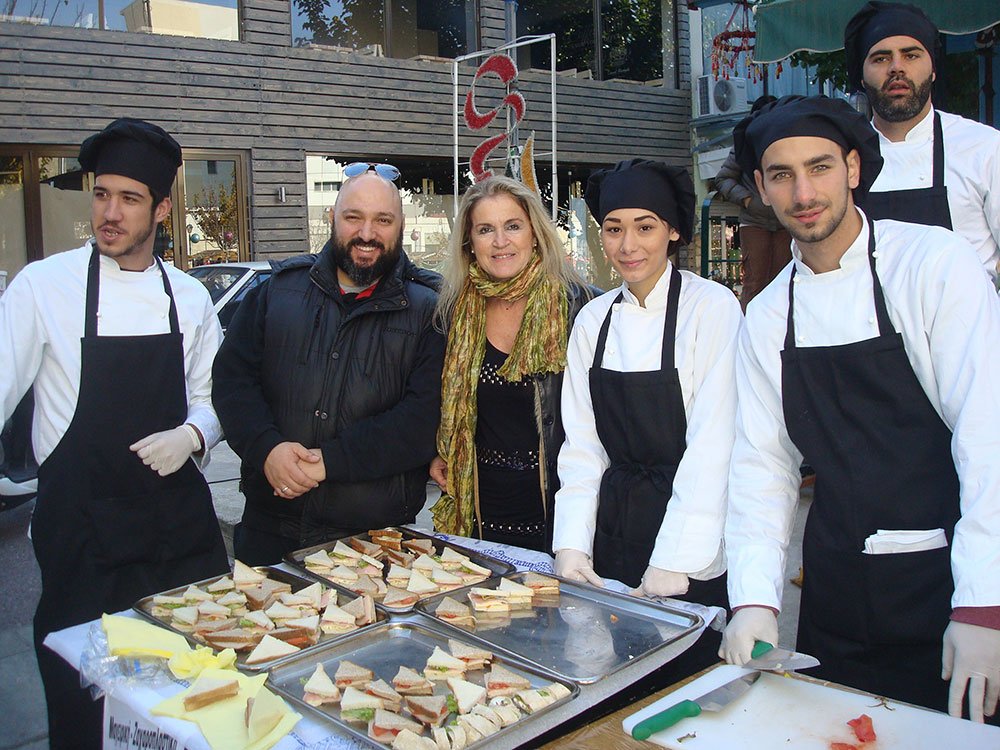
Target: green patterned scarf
{"type": "Point", "coordinates": [540, 347]}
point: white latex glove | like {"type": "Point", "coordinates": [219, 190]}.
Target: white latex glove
{"type": "Point", "coordinates": [659, 582]}
{"type": "Point", "coordinates": [971, 655]}
{"type": "Point", "coordinates": [165, 452]}
{"type": "Point", "coordinates": [747, 626]}
{"type": "Point", "coordinates": [575, 565]}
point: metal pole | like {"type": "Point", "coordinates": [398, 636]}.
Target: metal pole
{"type": "Point", "coordinates": [552, 88]}
{"type": "Point", "coordinates": [454, 130]}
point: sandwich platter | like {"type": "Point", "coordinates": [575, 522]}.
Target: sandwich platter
{"type": "Point", "coordinates": [266, 614]}
{"type": "Point", "coordinates": [374, 684]}
{"type": "Point", "coordinates": [396, 566]}
{"type": "Point", "coordinates": [579, 632]}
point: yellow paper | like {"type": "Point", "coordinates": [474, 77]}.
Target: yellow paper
{"type": "Point", "coordinates": [193, 663]}
{"type": "Point", "coordinates": [130, 637]}
{"type": "Point", "coordinates": [224, 722]}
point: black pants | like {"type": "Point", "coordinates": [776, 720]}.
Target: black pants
{"type": "Point", "coordinates": [76, 721]}
{"type": "Point", "coordinates": [256, 547]}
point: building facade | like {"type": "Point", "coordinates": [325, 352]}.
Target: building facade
{"type": "Point", "coordinates": [269, 98]}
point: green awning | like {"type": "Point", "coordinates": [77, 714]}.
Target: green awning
{"type": "Point", "coordinates": [787, 26]}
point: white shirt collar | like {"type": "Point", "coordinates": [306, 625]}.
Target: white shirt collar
{"type": "Point", "coordinates": [922, 131]}
{"type": "Point", "coordinates": [856, 254]}
{"type": "Point", "coordinates": [657, 297]}
{"type": "Point", "coordinates": [110, 265]}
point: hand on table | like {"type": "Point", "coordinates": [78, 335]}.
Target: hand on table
{"type": "Point", "coordinates": [283, 469]}
{"type": "Point", "coordinates": [575, 565]}
{"type": "Point", "coordinates": [659, 582]}
{"type": "Point", "coordinates": [971, 656]}
{"type": "Point", "coordinates": [165, 452]}
{"type": "Point", "coordinates": [439, 473]}
{"type": "Point", "coordinates": [747, 626]}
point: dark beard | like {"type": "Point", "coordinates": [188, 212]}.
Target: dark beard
{"type": "Point", "coordinates": [366, 275]}
{"type": "Point", "coordinates": [899, 110]}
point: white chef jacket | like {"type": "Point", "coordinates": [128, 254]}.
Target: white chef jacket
{"type": "Point", "coordinates": [42, 322]}
{"type": "Point", "coordinates": [971, 174]}
{"type": "Point", "coordinates": [949, 319]}
{"type": "Point", "coordinates": [708, 319]}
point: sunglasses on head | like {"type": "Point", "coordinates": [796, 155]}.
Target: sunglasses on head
{"type": "Point", "coordinates": [386, 171]}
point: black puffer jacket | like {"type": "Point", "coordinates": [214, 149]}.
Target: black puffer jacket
{"type": "Point", "coordinates": [361, 380]}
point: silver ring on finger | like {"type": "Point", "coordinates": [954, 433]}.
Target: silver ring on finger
{"type": "Point", "coordinates": [284, 489]}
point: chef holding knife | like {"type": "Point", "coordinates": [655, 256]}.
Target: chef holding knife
{"type": "Point", "coordinates": [119, 348]}
{"type": "Point", "coordinates": [873, 357]}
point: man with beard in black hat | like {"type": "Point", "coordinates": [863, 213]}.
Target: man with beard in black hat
{"type": "Point", "coordinates": [940, 169]}
{"type": "Point", "coordinates": [873, 357]}
{"type": "Point", "coordinates": [119, 348]}
{"type": "Point", "coordinates": [328, 383]}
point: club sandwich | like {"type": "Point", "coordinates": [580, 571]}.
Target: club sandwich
{"type": "Point", "coordinates": [357, 707]}
{"type": "Point", "coordinates": [455, 612]}
{"type": "Point", "coordinates": [431, 710]}
{"type": "Point", "coordinates": [319, 688]}
{"type": "Point", "coordinates": [502, 681]}
{"type": "Point", "coordinates": [245, 577]}
{"type": "Point", "coordinates": [385, 725]}
{"type": "Point", "coordinates": [410, 682]}
{"type": "Point", "coordinates": [391, 700]}
{"type": "Point", "coordinates": [474, 657]}
{"type": "Point", "coordinates": [441, 665]}
{"type": "Point", "coordinates": [270, 648]}
{"type": "Point", "coordinates": [350, 674]}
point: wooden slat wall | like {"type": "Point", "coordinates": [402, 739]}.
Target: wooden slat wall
{"type": "Point", "coordinates": [278, 102]}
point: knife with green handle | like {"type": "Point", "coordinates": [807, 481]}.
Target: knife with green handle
{"type": "Point", "coordinates": [767, 657]}
{"type": "Point", "coordinates": [714, 700]}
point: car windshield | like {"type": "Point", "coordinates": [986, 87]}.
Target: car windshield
{"type": "Point", "coordinates": [217, 279]}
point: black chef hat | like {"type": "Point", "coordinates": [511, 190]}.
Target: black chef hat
{"type": "Point", "coordinates": [879, 20]}
{"type": "Point", "coordinates": [136, 149]}
{"type": "Point", "coordinates": [816, 116]}
{"type": "Point", "coordinates": [639, 183]}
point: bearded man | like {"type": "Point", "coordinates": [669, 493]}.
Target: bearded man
{"type": "Point", "coordinates": [940, 169]}
{"type": "Point", "coordinates": [329, 381]}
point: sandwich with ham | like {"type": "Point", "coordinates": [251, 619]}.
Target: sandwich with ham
{"type": "Point", "coordinates": [357, 707]}
{"type": "Point", "coordinates": [399, 598]}
{"type": "Point", "coordinates": [385, 725]}
{"type": "Point", "coordinates": [391, 700]}
{"type": "Point", "coordinates": [474, 657]}
{"type": "Point", "coordinates": [441, 665]}
{"type": "Point", "coordinates": [502, 681]}
{"type": "Point", "coordinates": [410, 682]}
{"type": "Point", "coordinates": [270, 648]}
{"type": "Point", "coordinates": [541, 585]}
{"type": "Point", "coordinates": [430, 710]}
{"type": "Point", "coordinates": [488, 600]}
{"type": "Point", "coordinates": [455, 612]}
{"type": "Point", "coordinates": [350, 674]}
{"type": "Point", "coordinates": [319, 688]}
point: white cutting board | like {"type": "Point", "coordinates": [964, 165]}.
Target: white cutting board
{"type": "Point", "coordinates": [787, 712]}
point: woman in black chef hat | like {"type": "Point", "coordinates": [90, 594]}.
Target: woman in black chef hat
{"type": "Point", "coordinates": [649, 405]}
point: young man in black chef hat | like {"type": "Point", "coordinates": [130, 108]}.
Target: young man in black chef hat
{"type": "Point", "coordinates": [872, 357]}
{"type": "Point", "coordinates": [940, 169]}
{"type": "Point", "coordinates": [119, 348]}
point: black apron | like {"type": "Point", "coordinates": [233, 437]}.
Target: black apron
{"type": "Point", "coordinates": [108, 530]}
{"type": "Point", "coordinates": [883, 460]}
{"type": "Point", "coordinates": [917, 205]}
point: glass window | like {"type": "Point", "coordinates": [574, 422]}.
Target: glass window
{"type": "Point", "coordinates": [211, 19]}
{"type": "Point", "coordinates": [211, 211]}
{"type": "Point", "coordinates": [632, 39]}
{"type": "Point", "coordinates": [572, 21]}
{"type": "Point", "coordinates": [395, 28]}
{"type": "Point", "coordinates": [65, 200]}
{"type": "Point", "coordinates": [13, 245]}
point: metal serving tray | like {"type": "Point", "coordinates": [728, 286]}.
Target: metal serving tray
{"type": "Point", "coordinates": [583, 635]}
{"type": "Point", "coordinates": [297, 583]}
{"type": "Point", "coordinates": [383, 649]}
{"type": "Point", "coordinates": [295, 559]}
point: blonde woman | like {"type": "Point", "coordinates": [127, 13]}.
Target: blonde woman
{"type": "Point", "coordinates": [508, 302]}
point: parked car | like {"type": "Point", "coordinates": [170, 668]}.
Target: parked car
{"type": "Point", "coordinates": [227, 283]}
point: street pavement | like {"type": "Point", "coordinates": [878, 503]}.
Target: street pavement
{"type": "Point", "coordinates": [22, 702]}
